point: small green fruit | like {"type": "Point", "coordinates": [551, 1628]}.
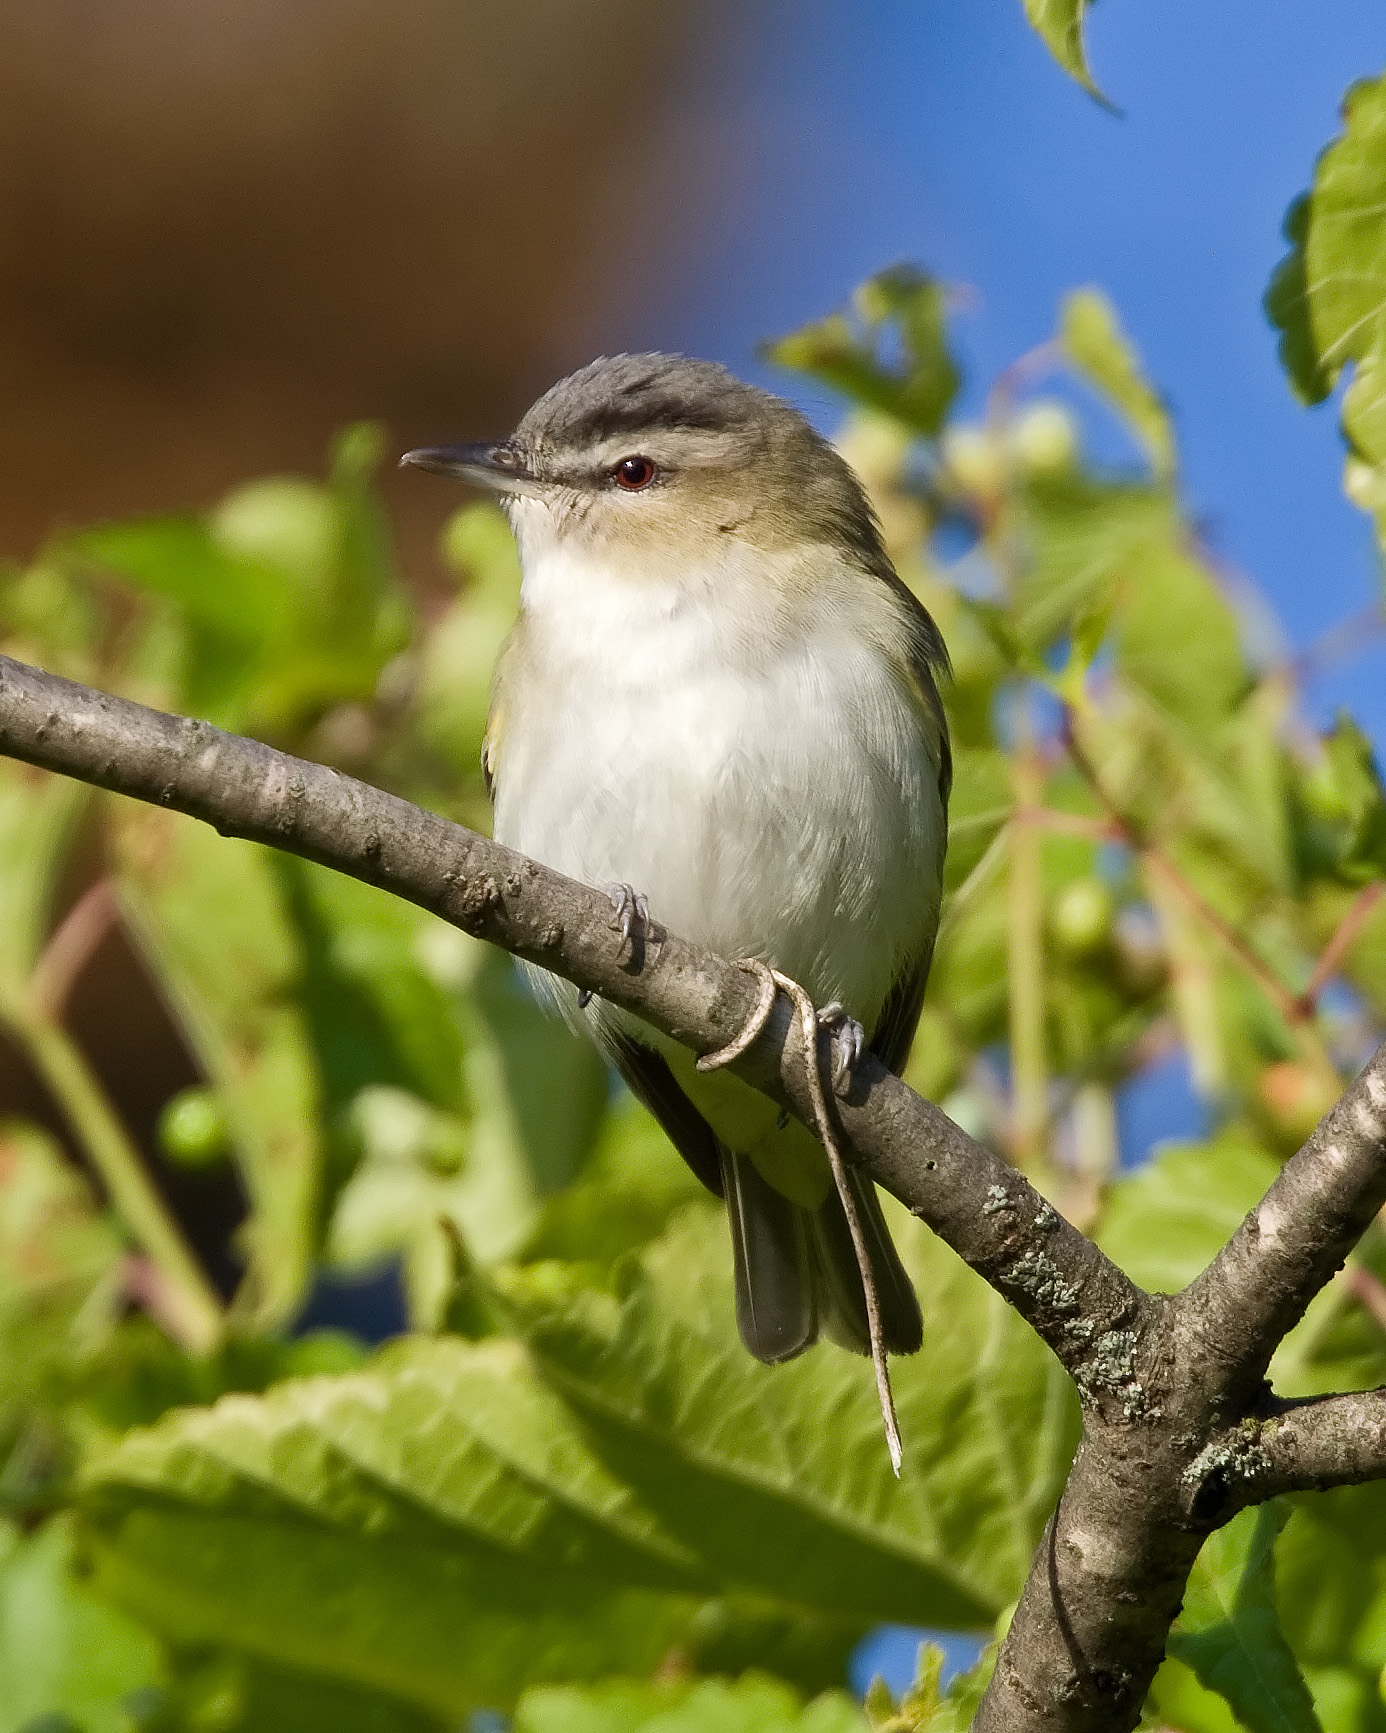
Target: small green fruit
{"type": "Point", "coordinates": [192, 1129]}
{"type": "Point", "coordinates": [1081, 920]}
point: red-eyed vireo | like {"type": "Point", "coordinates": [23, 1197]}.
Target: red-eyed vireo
{"type": "Point", "coordinates": [718, 692]}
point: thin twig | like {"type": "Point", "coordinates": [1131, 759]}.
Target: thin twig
{"type": "Point", "coordinates": [71, 947]}
{"type": "Point", "coordinates": [1340, 944]}
{"type": "Point", "coordinates": [1069, 823]}
{"type": "Point", "coordinates": [1135, 837]}
{"type": "Point", "coordinates": [1340, 643]}
{"type": "Point", "coordinates": [192, 1311]}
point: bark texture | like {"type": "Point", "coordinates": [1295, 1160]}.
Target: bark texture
{"type": "Point", "coordinates": [1180, 1430]}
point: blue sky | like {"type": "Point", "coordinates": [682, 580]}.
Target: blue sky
{"type": "Point", "coordinates": [940, 131]}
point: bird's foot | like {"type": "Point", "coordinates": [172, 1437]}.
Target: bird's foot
{"type": "Point", "coordinates": [631, 917]}
{"type": "Point", "coordinates": [848, 1043]}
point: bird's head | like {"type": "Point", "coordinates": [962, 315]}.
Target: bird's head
{"type": "Point", "coordinates": [640, 458]}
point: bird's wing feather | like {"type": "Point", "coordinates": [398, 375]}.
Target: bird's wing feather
{"type": "Point", "coordinates": [925, 659]}
{"type": "Point", "coordinates": [895, 1027]}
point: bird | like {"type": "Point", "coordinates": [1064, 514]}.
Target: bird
{"type": "Point", "coordinates": [721, 704]}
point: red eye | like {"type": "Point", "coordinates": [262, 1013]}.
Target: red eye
{"type": "Point", "coordinates": [633, 473]}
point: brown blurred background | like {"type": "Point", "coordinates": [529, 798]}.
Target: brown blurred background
{"type": "Point", "coordinates": [228, 228]}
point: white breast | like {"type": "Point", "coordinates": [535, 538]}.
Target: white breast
{"type": "Point", "coordinates": [758, 772]}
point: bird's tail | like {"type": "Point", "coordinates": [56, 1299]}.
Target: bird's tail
{"type": "Point", "coordinates": [796, 1269]}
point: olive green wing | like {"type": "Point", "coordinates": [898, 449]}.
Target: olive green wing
{"type": "Point", "coordinates": [925, 663]}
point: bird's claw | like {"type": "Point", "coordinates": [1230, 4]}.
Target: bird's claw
{"type": "Point", "coordinates": [631, 917]}
{"type": "Point", "coordinates": [848, 1043]}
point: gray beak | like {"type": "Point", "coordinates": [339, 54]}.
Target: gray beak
{"type": "Point", "coordinates": [498, 467]}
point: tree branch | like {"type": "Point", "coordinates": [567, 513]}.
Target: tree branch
{"type": "Point", "coordinates": [972, 1198]}
{"type": "Point", "coordinates": [1169, 1387]}
{"type": "Point", "coordinates": [1313, 1445]}
{"type": "Point", "coordinates": [1256, 1290]}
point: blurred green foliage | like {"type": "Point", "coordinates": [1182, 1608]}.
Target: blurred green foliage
{"type": "Point", "coordinates": [1059, 24]}
{"type": "Point", "coordinates": [566, 1493]}
{"type": "Point", "coordinates": [1328, 293]}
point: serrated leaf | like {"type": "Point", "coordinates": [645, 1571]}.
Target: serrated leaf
{"type": "Point", "coordinates": [746, 1705]}
{"type": "Point", "coordinates": [779, 1479]}
{"type": "Point", "coordinates": [1328, 297]}
{"type": "Point", "coordinates": [1229, 1630]}
{"type": "Point", "coordinates": [357, 1525]}
{"type": "Point", "coordinates": [1098, 347]}
{"type": "Point", "coordinates": [63, 1652]}
{"type": "Point", "coordinates": [433, 1443]}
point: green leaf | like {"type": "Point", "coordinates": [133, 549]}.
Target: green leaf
{"type": "Point", "coordinates": [747, 1705]}
{"type": "Point", "coordinates": [624, 1197]}
{"type": "Point", "coordinates": [534, 1098]}
{"type": "Point", "coordinates": [927, 1708]}
{"type": "Point", "coordinates": [1166, 1223]}
{"type": "Point", "coordinates": [357, 1525]}
{"type": "Point", "coordinates": [459, 654]}
{"type": "Point", "coordinates": [209, 916]}
{"type": "Point", "coordinates": [1078, 539]}
{"type": "Point", "coordinates": [446, 1628]}
{"type": "Point", "coordinates": [59, 1260]}
{"type": "Point", "coordinates": [229, 1693]}
{"type": "Point", "coordinates": [1179, 1700]}
{"type": "Point", "coordinates": [1229, 1631]}
{"type": "Point", "coordinates": [285, 594]}
{"type": "Point", "coordinates": [1329, 296]}
{"type": "Point", "coordinates": [1332, 1596]}
{"type": "Point", "coordinates": [1177, 638]}
{"type": "Point", "coordinates": [980, 804]}
{"type": "Point", "coordinates": [377, 1012]}
{"type": "Point", "coordinates": [38, 815]}
{"type": "Point", "coordinates": [432, 1444]}
{"type": "Point", "coordinates": [63, 1652]}
{"type": "Point", "coordinates": [1287, 307]}
{"type": "Point", "coordinates": [1060, 24]}
{"type": "Point", "coordinates": [778, 1479]}
{"type": "Point", "coordinates": [1098, 347]}
{"type": "Point", "coordinates": [1342, 807]}
{"type": "Point", "coordinates": [902, 309]}
{"type": "Point", "coordinates": [555, 1082]}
